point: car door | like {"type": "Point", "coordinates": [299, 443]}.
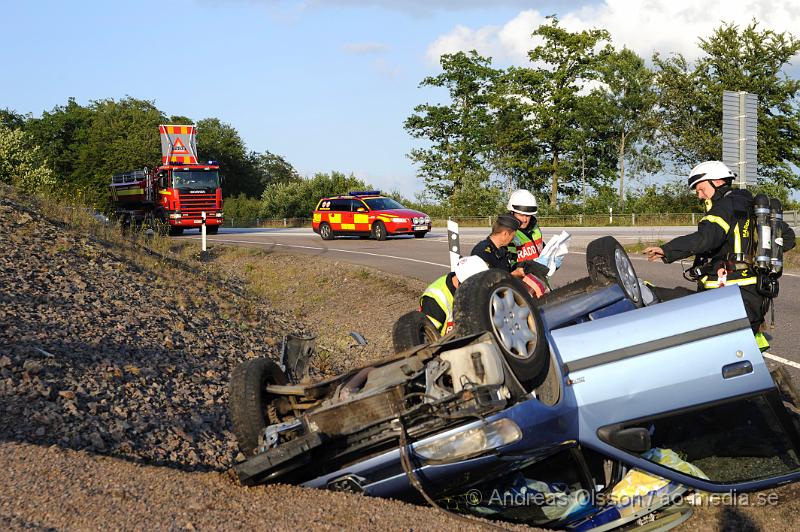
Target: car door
{"type": "Point", "coordinates": [347, 215]}
{"type": "Point", "coordinates": [337, 216]}
{"type": "Point", "coordinates": [680, 389]}
{"type": "Point", "coordinates": [360, 216]}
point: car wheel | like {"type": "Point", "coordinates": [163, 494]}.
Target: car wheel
{"type": "Point", "coordinates": [251, 406]}
{"type": "Point", "coordinates": [607, 260]}
{"type": "Point", "coordinates": [495, 301]}
{"type": "Point", "coordinates": [420, 234]}
{"type": "Point", "coordinates": [212, 229]}
{"type": "Point", "coordinates": [379, 231]}
{"type": "Point", "coordinates": [175, 231]}
{"type": "Point", "coordinates": [325, 231]}
{"type": "Point", "coordinates": [412, 329]}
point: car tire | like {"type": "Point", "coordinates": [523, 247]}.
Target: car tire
{"type": "Point", "coordinates": [379, 231]}
{"type": "Point", "coordinates": [175, 231]}
{"type": "Point", "coordinates": [495, 301]}
{"type": "Point", "coordinates": [413, 329]}
{"type": "Point", "coordinates": [212, 229]}
{"type": "Point", "coordinates": [420, 234]}
{"type": "Point", "coordinates": [249, 400]}
{"type": "Point", "coordinates": [325, 231]}
{"type": "Point", "coordinates": [606, 260]}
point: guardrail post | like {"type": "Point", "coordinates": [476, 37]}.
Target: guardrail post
{"type": "Point", "coordinates": [284, 222]}
{"type": "Point", "coordinates": [580, 217]}
{"type": "Point", "coordinates": [203, 231]}
{"type": "Point", "coordinates": [693, 219]}
{"type": "Point", "coordinates": [633, 219]}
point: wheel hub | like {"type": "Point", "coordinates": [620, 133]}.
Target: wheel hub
{"type": "Point", "coordinates": [512, 323]}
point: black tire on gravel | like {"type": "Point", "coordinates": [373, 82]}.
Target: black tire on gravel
{"type": "Point", "coordinates": [412, 329]}
{"type": "Point", "coordinates": [249, 400]}
{"type": "Point", "coordinates": [379, 230]}
{"type": "Point", "coordinates": [325, 231]}
{"type": "Point", "coordinates": [497, 302]}
{"type": "Point", "coordinates": [212, 229]}
{"type": "Point", "coordinates": [606, 260]}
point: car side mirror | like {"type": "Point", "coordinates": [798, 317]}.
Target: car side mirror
{"type": "Point", "coordinates": [361, 209]}
{"type": "Point", "coordinates": [635, 440]}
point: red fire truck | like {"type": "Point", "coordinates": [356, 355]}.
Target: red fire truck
{"type": "Point", "coordinates": [176, 194]}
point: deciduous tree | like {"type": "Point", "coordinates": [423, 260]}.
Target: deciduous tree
{"type": "Point", "coordinates": [738, 59]}
{"type": "Point", "coordinates": [458, 132]}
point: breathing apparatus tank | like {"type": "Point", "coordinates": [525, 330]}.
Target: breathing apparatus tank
{"type": "Point", "coordinates": [776, 253]}
{"type": "Point", "coordinates": [761, 208]}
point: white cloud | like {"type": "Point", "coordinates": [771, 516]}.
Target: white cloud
{"type": "Point", "coordinates": [363, 48]}
{"type": "Point", "coordinates": [645, 26]}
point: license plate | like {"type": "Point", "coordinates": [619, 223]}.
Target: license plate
{"type": "Point", "coordinates": [420, 228]}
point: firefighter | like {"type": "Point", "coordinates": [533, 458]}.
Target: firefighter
{"type": "Point", "coordinates": [437, 300]}
{"type": "Point", "coordinates": [722, 244]}
{"type": "Point", "coordinates": [494, 248]}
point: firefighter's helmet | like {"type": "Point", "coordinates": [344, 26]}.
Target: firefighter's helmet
{"type": "Point", "coordinates": [523, 202]}
{"type": "Point", "coordinates": [468, 266]}
{"type": "Point", "coordinates": [709, 171]}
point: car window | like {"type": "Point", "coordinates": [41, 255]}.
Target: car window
{"type": "Point", "coordinates": [537, 494]}
{"type": "Point", "coordinates": [736, 441]}
{"type": "Point", "coordinates": [359, 206]}
{"type": "Point", "coordinates": [340, 204]}
{"type": "Point", "coordinates": [382, 204]}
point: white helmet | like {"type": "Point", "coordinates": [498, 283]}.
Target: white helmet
{"type": "Point", "coordinates": [466, 267]}
{"type": "Point", "coordinates": [523, 202]}
{"type": "Point", "coordinates": [709, 171]}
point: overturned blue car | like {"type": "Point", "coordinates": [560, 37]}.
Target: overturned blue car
{"type": "Point", "coordinates": [592, 408]}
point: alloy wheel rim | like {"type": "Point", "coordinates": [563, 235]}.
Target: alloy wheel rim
{"type": "Point", "coordinates": [512, 322]}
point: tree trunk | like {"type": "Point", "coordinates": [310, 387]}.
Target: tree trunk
{"type": "Point", "coordinates": [554, 185]}
{"type": "Point", "coordinates": [583, 182]}
{"type": "Point", "coordinates": [622, 171]}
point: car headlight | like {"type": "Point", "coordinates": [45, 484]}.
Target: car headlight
{"type": "Point", "coordinates": [427, 219]}
{"type": "Point", "coordinates": [471, 442]}
{"type": "Point", "coordinates": [416, 221]}
{"type": "Point", "coordinates": [400, 220]}
{"type": "Point", "coordinates": [220, 215]}
{"type": "Point", "coordinates": [175, 215]}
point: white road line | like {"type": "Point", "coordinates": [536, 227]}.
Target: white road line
{"type": "Point", "coordinates": [329, 249]}
{"type": "Point", "coordinates": [781, 360]}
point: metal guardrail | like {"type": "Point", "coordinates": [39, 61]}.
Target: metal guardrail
{"type": "Point", "coordinates": [571, 220]}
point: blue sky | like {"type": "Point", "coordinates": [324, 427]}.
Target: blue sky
{"type": "Point", "coordinates": [325, 83]}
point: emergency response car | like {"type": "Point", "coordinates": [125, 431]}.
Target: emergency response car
{"type": "Point", "coordinates": [367, 214]}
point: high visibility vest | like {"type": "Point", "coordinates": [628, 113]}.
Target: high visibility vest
{"type": "Point", "coordinates": [439, 292]}
{"type": "Point", "coordinates": [524, 247]}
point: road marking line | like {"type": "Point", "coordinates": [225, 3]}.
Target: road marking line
{"type": "Point", "coordinates": [330, 249]}
{"type": "Point", "coordinates": [634, 257]}
{"type": "Point", "coordinates": [781, 360]}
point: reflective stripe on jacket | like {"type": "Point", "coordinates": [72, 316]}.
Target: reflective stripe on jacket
{"type": "Point", "coordinates": [722, 241]}
{"type": "Point", "coordinates": [526, 245]}
{"type": "Point", "coordinates": [439, 292]}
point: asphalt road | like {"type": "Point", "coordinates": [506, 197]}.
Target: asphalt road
{"type": "Point", "coordinates": [426, 259]}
